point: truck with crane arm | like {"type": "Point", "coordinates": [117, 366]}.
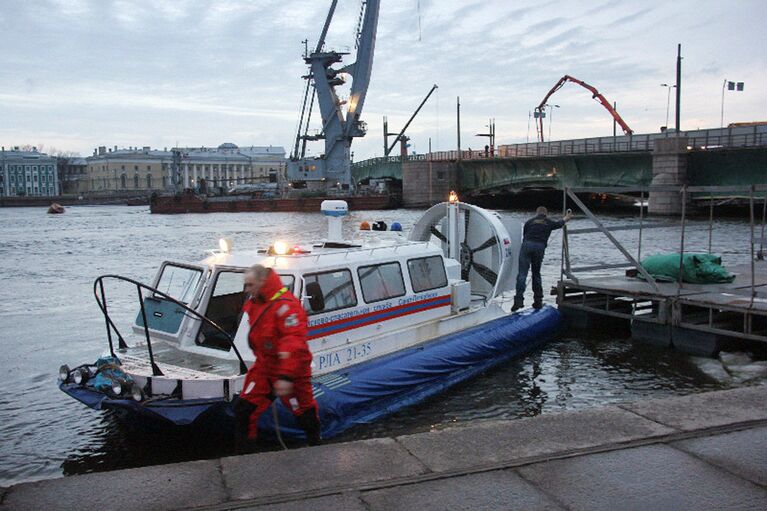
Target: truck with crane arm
{"type": "Point", "coordinates": [540, 114]}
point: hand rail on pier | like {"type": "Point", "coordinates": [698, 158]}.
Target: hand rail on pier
{"type": "Point", "coordinates": [728, 310]}
{"type": "Point", "coordinates": [98, 284]}
{"type": "Point", "coordinates": [615, 190]}
{"type": "Point", "coordinates": [684, 191]}
{"type": "Point", "coordinates": [606, 231]}
{"type": "Point", "coordinates": [626, 227]}
{"type": "Point", "coordinates": [602, 267]}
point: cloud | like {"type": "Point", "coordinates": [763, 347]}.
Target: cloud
{"type": "Point", "coordinates": [205, 71]}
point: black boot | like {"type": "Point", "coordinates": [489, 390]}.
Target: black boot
{"type": "Point", "coordinates": [311, 426]}
{"type": "Point", "coordinates": [242, 411]}
{"type": "Point", "coordinates": [518, 304]}
{"type": "Point", "coordinates": [537, 303]}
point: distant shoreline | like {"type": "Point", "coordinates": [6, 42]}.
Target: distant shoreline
{"type": "Point", "coordinates": [73, 200]}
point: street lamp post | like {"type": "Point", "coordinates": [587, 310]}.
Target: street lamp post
{"type": "Point", "coordinates": [529, 115]}
{"type": "Point", "coordinates": [727, 85]}
{"type": "Point", "coordinates": [551, 117]}
{"type": "Point", "coordinates": [668, 99]}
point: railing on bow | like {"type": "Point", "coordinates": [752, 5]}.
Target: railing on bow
{"type": "Point", "coordinates": [98, 292]}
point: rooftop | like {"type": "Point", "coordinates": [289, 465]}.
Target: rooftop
{"type": "Point", "coordinates": [225, 151]}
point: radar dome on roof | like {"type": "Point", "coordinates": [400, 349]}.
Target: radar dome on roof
{"type": "Point", "coordinates": [227, 145]}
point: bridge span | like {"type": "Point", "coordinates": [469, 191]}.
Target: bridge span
{"type": "Point", "coordinates": [720, 156]}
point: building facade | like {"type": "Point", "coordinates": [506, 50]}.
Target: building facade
{"type": "Point", "coordinates": [147, 170]}
{"type": "Point", "coordinates": [27, 173]}
{"type": "Point", "coordinates": [228, 165]}
{"type": "Point", "coordinates": [72, 174]}
{"type": "Point", "coordinates": [130, 169]}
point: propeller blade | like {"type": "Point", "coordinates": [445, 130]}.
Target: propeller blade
{"type": "Point", "coordinates": [485, 272]}
{"type": "Point", "coordinates": [435, 232]}
{"type": "Point", "coordinates": [488, 243]}
{"type": "Point", "coordinates": [466, 218]}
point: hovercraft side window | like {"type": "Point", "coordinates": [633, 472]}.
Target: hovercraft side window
{"type": "Point", "coordinates": [381, 282]}
{"type": "Point", "coordinates": [427, 273]}
{"type": "Point", "coordinates": [337, 290]}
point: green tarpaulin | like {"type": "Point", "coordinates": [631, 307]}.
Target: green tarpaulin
{"type": "Point", "coordinates": [697, 268]}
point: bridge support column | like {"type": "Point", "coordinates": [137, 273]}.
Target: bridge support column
{"type": "Point", "coordinates": [669, 168]}
{"type": "Point", "coordinates": [426, 183]}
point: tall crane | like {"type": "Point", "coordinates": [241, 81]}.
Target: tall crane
{"type": "Point", "coordinates": [339, 128]}
{"type": "Point", "coordinates": [539, 110]}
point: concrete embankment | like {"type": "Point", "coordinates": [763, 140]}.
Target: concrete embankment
{"type": "Point", "coordinates": [702, 451]}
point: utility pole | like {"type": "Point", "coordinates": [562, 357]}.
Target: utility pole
{"type": "Point", "coordinates": [678, 83]}
{"type": "Point", "coordinates": [431, 182]}
{"type": "Point", "coordinates": [458, 117]}
{"type": "Point", "coordinates": [491, 138]}
{"type": "Point", "coordinates": [615, 123]}
{"type": "Point", "coordinates": [529, 114]}
{"type": "Point", "coordinates": [386, 136]}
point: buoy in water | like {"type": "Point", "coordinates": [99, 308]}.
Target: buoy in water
{"type": "Point", "coordinates": [55, 209]}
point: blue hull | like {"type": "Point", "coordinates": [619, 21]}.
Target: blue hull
{"type": "Point", "coordinates": [371, 390]}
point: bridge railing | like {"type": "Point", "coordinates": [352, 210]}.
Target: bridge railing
{"type": "Point", "coordinates": [741, 136]}
{"type": "Point", "coordinates": [697, 140]}
{"type": "Point", "coordinates": [468, 154]}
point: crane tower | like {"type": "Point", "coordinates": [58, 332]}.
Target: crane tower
{"type": "Point", "coordinates": [339, 128]}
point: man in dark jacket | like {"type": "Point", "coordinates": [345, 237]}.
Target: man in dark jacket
{"type": "Point", "coordinates": [536, 236]}
{"type": "Point", "coordinates": [278, 329]}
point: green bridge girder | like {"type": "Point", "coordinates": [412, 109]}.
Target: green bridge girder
{"type": "Point", "coordinates": [518, 174]}
{"type": "Point", "coordinates": [513, 174]}
{"type": "Point", "coordinates": [493, 175]}
{"type": "Point", "coordinates": [377, 168]}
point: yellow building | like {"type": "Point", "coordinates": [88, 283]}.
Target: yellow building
{"type": "Point", "coordinates": [146, 170]}
{"type": "Point", "coordinates": [123, 170]}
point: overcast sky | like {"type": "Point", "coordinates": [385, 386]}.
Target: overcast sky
{"type": "Point", "coordinates": [76, 74]}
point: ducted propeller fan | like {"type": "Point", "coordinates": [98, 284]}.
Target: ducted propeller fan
{"type": "Point", "coordinates": [487, 252]}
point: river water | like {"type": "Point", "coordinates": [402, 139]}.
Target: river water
{"type": "Point", "coordinates": [48, 317]}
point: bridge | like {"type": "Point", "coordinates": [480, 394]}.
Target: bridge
{"type": "Point", "coordinates": [722, 156]}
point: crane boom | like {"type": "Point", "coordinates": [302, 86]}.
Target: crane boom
{"type": "Point", "coordinates": [339, 128]}
{"type": "Point", "coordinates": [399, 135]}
{"type": "Point", "coordinates": [594, 95]}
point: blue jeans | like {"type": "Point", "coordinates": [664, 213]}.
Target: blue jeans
{"type": "Point", "coordinates": [530, 254]}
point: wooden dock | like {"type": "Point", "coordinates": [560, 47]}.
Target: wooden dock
{"type": "Point", "coordinates": [700, 319]}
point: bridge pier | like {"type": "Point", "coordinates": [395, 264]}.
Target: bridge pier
{"type": "Point", "coordinates": [425, 183]}
{"type": "Point", "coordinates": [669, 168]}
